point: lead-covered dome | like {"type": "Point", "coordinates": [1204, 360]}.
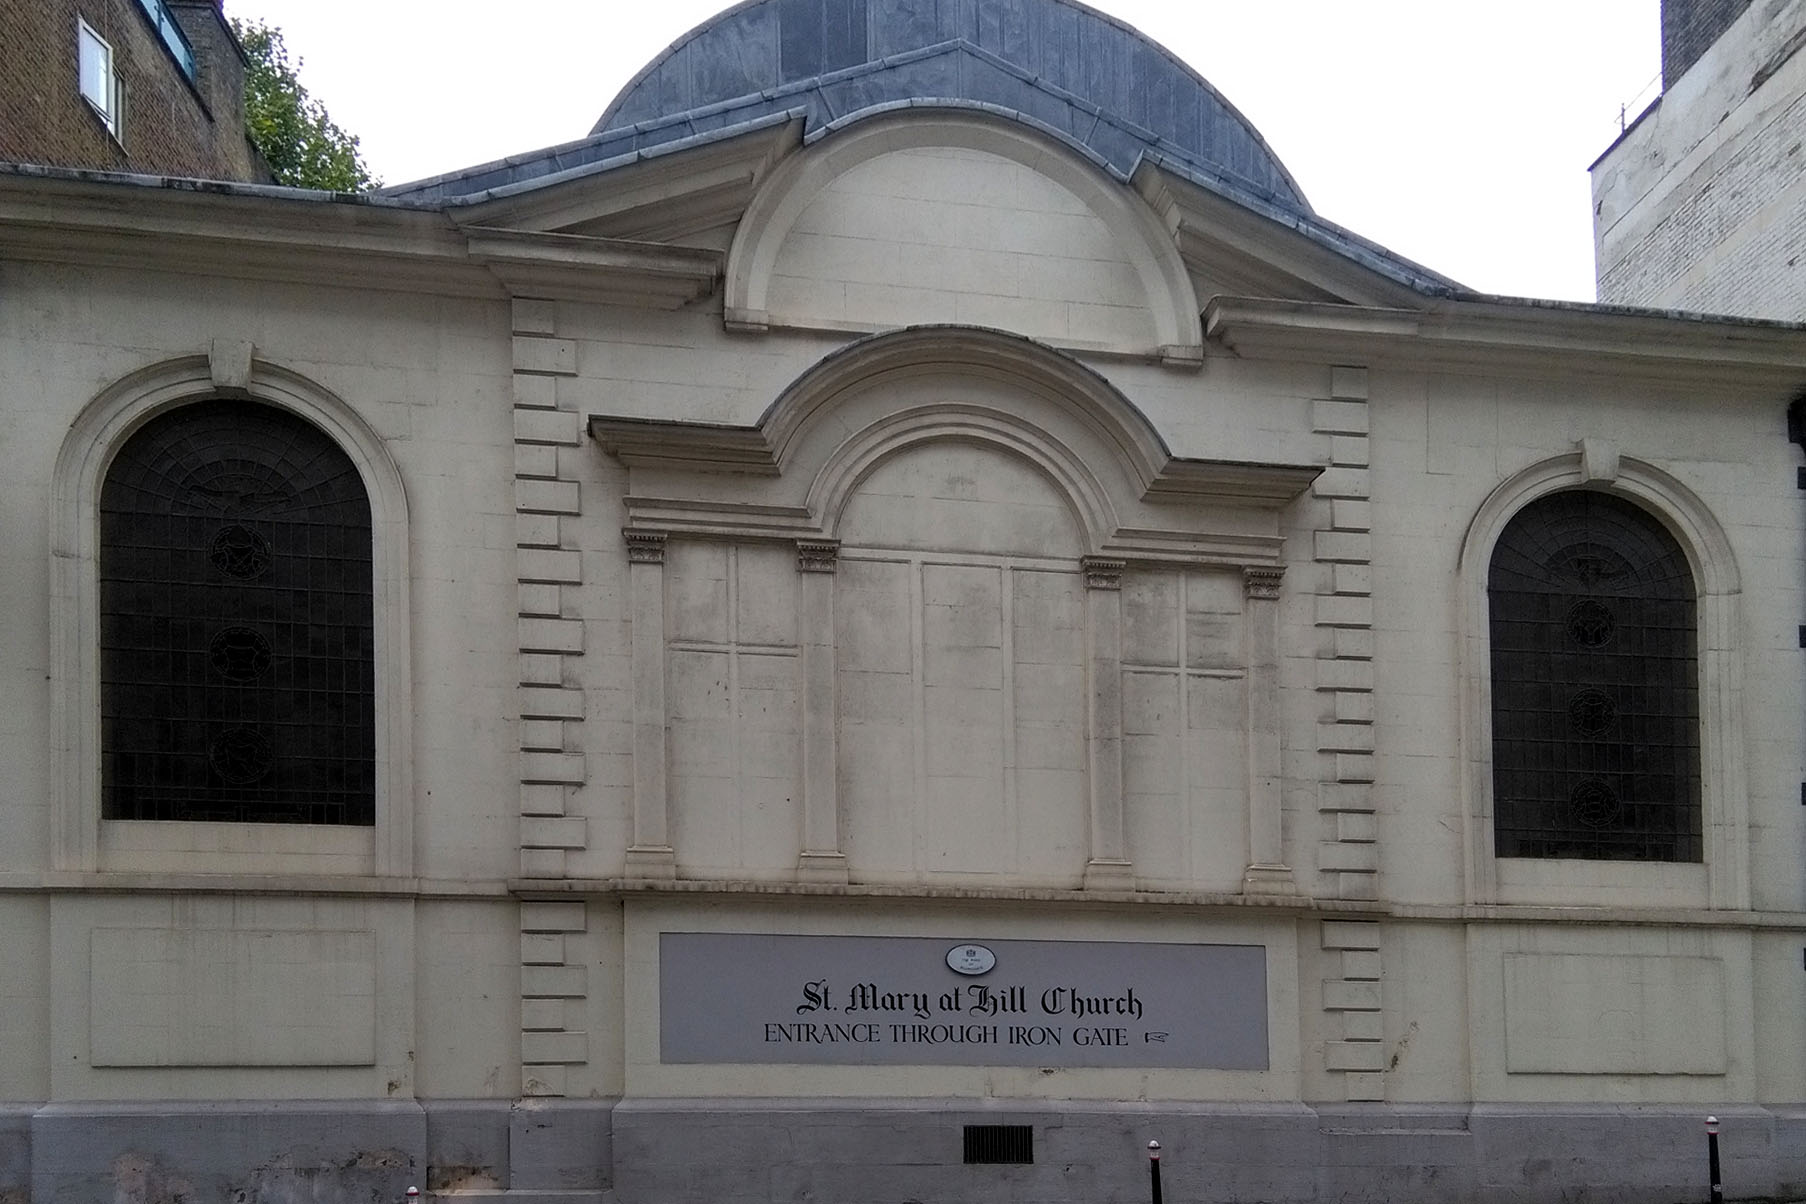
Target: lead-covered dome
{"type": "Point", "coordinates": [1089, 78]}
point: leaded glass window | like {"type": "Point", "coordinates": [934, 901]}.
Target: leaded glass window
{"type": "Point", "coordinates": [236, 625]}
{"type": "Point", "coordinates": [1595, 685]}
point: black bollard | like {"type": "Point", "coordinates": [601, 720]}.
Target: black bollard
{"type": "Point", "coordinates": [1154, 1168]}
{"type": "Point", "coordinates": [1712, 1158]}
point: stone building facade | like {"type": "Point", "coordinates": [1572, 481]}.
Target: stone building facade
{"type": "Point", "coordinates": [148, 86]}
{"type": "Point", "coordinates": [1701, 205]}
{"type": "Point", "coordinates": [900, 621]}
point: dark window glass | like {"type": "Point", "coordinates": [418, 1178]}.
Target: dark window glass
{"type": "Point", "coordinates": [237, 674]}
{"type": "Point", "coordinates": [1595, 685]}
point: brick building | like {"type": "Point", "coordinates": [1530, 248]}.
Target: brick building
{"type": "Point", "coordinates": [148, 86]}
{"type": "Point", "coordinates": [1701, 205]}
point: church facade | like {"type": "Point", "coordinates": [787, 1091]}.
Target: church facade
{"type": "Point", "coordinates": [899, 622]}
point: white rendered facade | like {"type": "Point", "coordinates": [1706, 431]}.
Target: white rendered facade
{"type": "Point", "coordinates": [914, 533]}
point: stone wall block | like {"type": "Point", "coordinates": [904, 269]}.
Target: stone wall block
{"type": "Point", "coordinates": [546, 832]}
{"type": "Point", "coordinates": [558, 428]}
{"type": "Point", "coordinates": [1339, 417]}
{"type": "Point", "coordinates": [542, 949]}
{"type": "Point", "coordinates": [539, 702]}
{"type": "Point", "coordinates": [551, 767]}
{"type": "Point", "coordinates": [551, 635]}
{"type": "Point", "coordinates": [1341, 857]}
{"type": "Point", "coordinates": [560, 566]}
{"type": "Point", "coordinates": [534, 316]}
{"type": "Point", "coordinates": [1355, 1055]}
{"type": "Point", "coordinates": [547, 497]}
{"type": "Point", "coordinates": [553, 917]}
{"type": "Point", "coordinates": [1349, 934]}
{"type": "Point", "coordinates": [1334, 482]}
{"type": "Point", "coordinates": [543, 1048]}
{"type": "Point", "coordinates": [554, 982]}
{"type": "Point", "coordinates": [551, 357]}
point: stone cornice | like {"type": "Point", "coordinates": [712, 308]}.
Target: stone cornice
{"type": "Point", "coordinates": [317, 238]}
{"type": "Point", "coordinates": [575, 267]}
{"type": "Point", "coordinates": [1537, 338]}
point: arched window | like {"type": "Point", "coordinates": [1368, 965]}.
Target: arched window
{"type": "Point", "coordinates": [237, 665]}
{"type": "Point", "coordinates": [1595, 684]}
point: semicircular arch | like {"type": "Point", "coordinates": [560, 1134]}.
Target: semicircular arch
{"type": "Point", "coordinates": [1165, 288]}
{"type": "Point", "coordinates": [1711, 559]}
{"type": "Point", "coordinates": [94, 438]}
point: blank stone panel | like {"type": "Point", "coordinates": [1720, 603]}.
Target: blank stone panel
{"type": "Point", "coordinates": [701, 711]}
{"type": "Point", "coordinates": [1048, 696]}
{"type": "Point", "coordinates": [215, 997]}
{"type": "Point", "coordinates": [1216, 774]}
{"type": "Point", "coordinates": [1185, 761]}
{"type": "Point", "coordinates": [1213, 621]}
{"type": "Point", "coordinates": [1150, 618]}
{"type": "Point", "coordinates": [696, 592]}
{"type": "Point", "coordinates": [765, 595]}
{"type": "Point", "coordinates": [770, 744]}
{"type": "Point", "coordinates": [967, 821]}
{"type": "Point", "coordinates": [957, 497]}
{"type": "Point", "coordinates": [876, 688]}
{"type": "Point", "coordinates": [963, 754]}
{"type": "Point", "coordinates": [938, 234]}
{"type": "Point", "coordinates": [1601, 1013]}
{"type": "Point", "coordinates": [736, 759]}
{"type": "Point", "coordinates": [1153, 757]}
{"type": "Point", "coordinates": [871, 618]}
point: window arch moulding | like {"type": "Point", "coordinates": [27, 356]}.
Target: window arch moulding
{"type": "Point", "coordinates": [82, 841]}
{"type": "Point", "coordinates": [1721, 881]}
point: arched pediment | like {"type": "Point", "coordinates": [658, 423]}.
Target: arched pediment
{"type": "Point", "coordinates": [945, 214]}
{"type": "Point", "coordinates": [791, 474]}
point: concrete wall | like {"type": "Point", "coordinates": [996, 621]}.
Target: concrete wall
{"type": "Point", "coordinates": [1700, 205]}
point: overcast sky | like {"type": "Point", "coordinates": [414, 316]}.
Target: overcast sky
{"type": "Point", "coordinates": [1456, 133]}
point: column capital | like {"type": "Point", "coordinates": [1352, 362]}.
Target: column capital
{"type": "Point", "coordinates": [817, 555]}
{"type": "Point", "coordinates": [644, 547]}
{"type": "Point", "coordinates": [1262, 581]}
{"type": "Point", "coordinates": [1102, 572]}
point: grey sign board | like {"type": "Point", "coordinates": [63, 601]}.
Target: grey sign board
{"type": "Point", "coordinates": [858, 1001]}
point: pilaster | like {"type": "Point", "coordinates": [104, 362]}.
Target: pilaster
{"type": "Point", "coordinates": [821, 859]}
{"type": "Point", "coordinates": [1267, 872]}
{"type": "Point", "coordinates": [1109, 867]}
{"type": "Point", "coordinates": [650, 855]}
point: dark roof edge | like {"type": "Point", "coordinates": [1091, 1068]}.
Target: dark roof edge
{"type": "Point", "coordinates": [1627, 131]}
{"type": "Point", "coordinates": [1342, 241]}
{"type": "Point", "coordinates": [1612, 309]}
{"type": "Point", "coordinates": [375, 200]}
{"type": "Point", "coordinates": [614, 162]}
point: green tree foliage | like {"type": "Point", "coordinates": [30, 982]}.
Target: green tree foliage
{"type": "Point", "coordinates": [302, 144]}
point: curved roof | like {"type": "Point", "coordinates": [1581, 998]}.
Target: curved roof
{"type": "Point", "coordinates": [1091, 78]}
{"type": "Point", "coordinates": [1099, 84]}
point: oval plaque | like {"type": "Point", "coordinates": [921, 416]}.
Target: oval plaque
{"type": "Point", "coordinates": [970, 959]}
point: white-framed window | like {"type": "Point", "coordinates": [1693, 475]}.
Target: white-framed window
{"type": "Point", "coordinates": [99, 82]}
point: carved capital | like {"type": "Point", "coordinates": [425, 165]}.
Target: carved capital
{"type": "Point", "coordinates": [817, 555]}
{"type": "Point", "coordinates": [645, 547]}
{"type": "Point", "coordinates": [1262, 583]}
{"type": "Point", "coordinates": [1103, 573]}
